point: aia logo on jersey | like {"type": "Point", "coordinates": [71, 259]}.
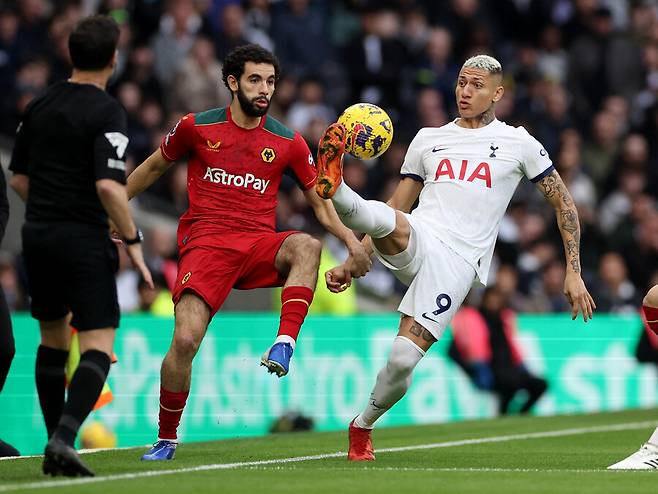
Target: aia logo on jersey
{"type": "Point", "coordinates": [311, 162]}
{"type": "Point", "coordinates": [268, 155]}
{"type": "Point", "coordinates": [480, 172]}
{"type": "Point", "coordinates": [213, 146]}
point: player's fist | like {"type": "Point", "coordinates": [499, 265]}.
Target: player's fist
{"type": "Point", "coordinates": [338, 279]}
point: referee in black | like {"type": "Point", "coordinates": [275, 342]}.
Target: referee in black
{"type": "Point", "coordinates": [68, 165]}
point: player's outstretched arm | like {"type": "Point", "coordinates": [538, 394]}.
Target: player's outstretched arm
{"type": "Point", "coordinates": [145, 174]}
{"type": "Point", "coordinates": [359, 260]}
{"type": "Point", "coordinates": [557, 194]}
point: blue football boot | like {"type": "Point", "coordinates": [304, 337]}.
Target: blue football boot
{"type": "Point", "coordinates": [162, 450]}
{"type": "Point", "coordinates": [277, 358]}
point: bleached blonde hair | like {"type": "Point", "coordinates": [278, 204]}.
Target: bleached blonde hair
{"type": "Point", "coordinates": [484, 62]}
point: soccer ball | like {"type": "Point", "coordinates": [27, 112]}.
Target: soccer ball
{"type": "Point", "coordinates": [95, 435]}
{"type": "Point", "coordinates": [369, 130]}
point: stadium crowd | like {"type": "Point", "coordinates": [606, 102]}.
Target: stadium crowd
{"type": "Point", "coordinates": [581, 76]}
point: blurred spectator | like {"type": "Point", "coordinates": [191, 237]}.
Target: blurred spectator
{"type": "Point", "coordinates": [140, 70]}
{"type": "Point", "coordinates": [617, 205]}
{"type": "Point", "coordinates": [163, 252]}
{"type": "Point", "coordinates": [614, 292]}
{"type": "Point", "coordinates": [548, 295]}
{"type": "Point", "coordinates": [258, 23]}
{"type": "Point", "coordinates": [373, 60]}
{"type": "Point", "coordinates": [552, 61]}
{"type": "Point", "coordinates": [157, 300]}
{"type": "Point", "coordinates": [555, 118]}
{"type": "Point", "coordinates": [301, 37]}
{"type": "Point", "coordinates": [198, 83]}
{"type": "Point", "coordinates": [179, 26]}
{"type": "Point", "coordinates": [485, 345]}
{"type": "Point", "coordinates": [599, 153]}
{"type": "Point", "coordinates": [232, 30]}
{"type": "Point", "coordinates": [12, 47]}
{"type": "Point", "coordinates": [309, 106]}
{"type": "Point", "coordinates": [570, 167]}
{"type": "Point", "coordinates": [437, 67]}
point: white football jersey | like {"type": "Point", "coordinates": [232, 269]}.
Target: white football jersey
{"type": "Point", "coordinates": [469, 178]}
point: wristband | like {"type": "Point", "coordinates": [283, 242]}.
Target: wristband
{"type": "Point", "coordinates": [137, 240]}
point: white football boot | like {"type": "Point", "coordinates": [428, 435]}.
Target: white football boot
{"type": "Point", "coordinates": [646, 458]}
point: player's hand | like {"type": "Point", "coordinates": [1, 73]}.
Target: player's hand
{"type": "Point", "coordinates": [578, 296]}
{"type": "Point", "coordinates": [359, 262]}
{"type": "Point", "coordinates": [338, 279]}
{"type": "Point", "coordinates": [137, 258]}
{"type": "Point", "coordinates": [114, 233]}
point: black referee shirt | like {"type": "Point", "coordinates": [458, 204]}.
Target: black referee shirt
{"type": "Point", "coordinates": [70, 137]}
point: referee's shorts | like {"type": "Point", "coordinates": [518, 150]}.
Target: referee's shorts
{"type": "Point", "coordinates": [71, 267]}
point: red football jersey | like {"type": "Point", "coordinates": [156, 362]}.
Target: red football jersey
{"type": "Point", "coordinates": [233, 174]}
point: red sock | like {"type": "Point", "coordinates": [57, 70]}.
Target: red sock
{"type": "Point", "coordinates": [295, 301]}
{"type": "Point", "coordinates": [172, 404]}
{"type": "Point", "coordinates": [651, 315]}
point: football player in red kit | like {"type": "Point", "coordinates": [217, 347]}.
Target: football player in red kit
{"type": "Point", "coordinates": [227, 238]}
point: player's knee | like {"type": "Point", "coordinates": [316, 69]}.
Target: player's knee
{"type": "Point", "coordinates": [309, 249]}
{"type": "Point", "coordinates": [185, 345]}
{"type": "Point", "coordinates": [399, 366]}
{"type": "Point", "coordinates": [651, 298]}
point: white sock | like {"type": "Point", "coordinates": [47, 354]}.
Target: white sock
{"type": "Point", "coordinates": [284, 338]}
{"type": "Point", "coordinates": [392, 381]}
{"type": "Point", "coordinates": [654, 438]}
{"type": "Point", "coordinates": [375, 218]}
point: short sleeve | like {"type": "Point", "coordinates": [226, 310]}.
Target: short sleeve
{"type": "Point", "coordinates": [302, 163]}
{"type": "Point", "coordinates": [110, 146]}
{"type": "Point", "coordinates": [413, 160]}
{"type": "Point", "coordinates": [535, 160]}
{"type": "Point", "coordinates": [20, 154]}
{"type": "Point", "coordinates": [179, 140]}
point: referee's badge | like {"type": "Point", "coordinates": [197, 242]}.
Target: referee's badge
{"type": "Point", "coordinates": [186, 277]}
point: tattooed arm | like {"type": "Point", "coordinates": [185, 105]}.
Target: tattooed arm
{"type": "Point", "coordinates": [567, 220]}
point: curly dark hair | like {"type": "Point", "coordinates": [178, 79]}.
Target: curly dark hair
{"type": "Point", "coordinates": [235, 61]}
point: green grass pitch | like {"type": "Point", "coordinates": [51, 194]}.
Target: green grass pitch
{"type": "Point", "coordinates": [509, 455]}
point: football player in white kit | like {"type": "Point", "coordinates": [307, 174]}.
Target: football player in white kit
{"type": "Point", "coordinates": [646, 458]}
{"type": "Point", "coordinates": [463, 174]}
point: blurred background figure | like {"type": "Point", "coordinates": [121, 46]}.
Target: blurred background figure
{"type": "Point", "coordinates": [485, 345]}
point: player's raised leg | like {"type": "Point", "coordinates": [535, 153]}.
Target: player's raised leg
{"type": "Point", "coordinates": [646, 458]}
{"type": "Point", "coordinates": [192, 317]}
{"type": "Point", "coordinates": [375, 218]}
{"type": "Point", "coordinates": [393, 380]}
{"type": "Point", "coordinates": [299, 257]}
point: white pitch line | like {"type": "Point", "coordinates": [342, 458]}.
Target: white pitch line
{"type": "Point", "coordinates": [80, 451]}
{"type": "Point", "coordinates": [339, 454]}
{"type": "Point", "coordinates": [453, 469]}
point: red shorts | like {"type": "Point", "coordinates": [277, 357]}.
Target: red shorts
{"type": "Point", "coordinates": [210, 266]}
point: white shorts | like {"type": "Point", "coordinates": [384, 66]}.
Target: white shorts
{"type": "Point", "coordinates": [438, 279]}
